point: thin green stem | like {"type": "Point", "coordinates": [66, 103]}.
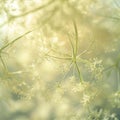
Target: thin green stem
{"type": "Point", "coordinates": [118, 79]}
{"type": "Point", "coordinates": [68, 71]}
{"type": "Point", "coordinates": [82, 60]}
{"type": "Point", "coordinates": [117, 4]}
{"type": "Point", "coordinates": [57, 52]}
{"type": "Point", "coordinates": [79, 73]}
{"type": "Point", "coordinates": [3, 63]}
{"type": "Point", "coordinates": [110, 17]}
{"type": "Point", "coordinates": [27, 13]}
{"type": "Point", "coordinates": [63, 58]}
{"type": "Point", "coordinates": [76, 37]}
{"type": "Point", "coordinates": [36, 9]}
{"type": "Point", "coordinates": [85, 51]}
{"type": "Point", "coordinates": [72, 46]}
{"type": "Point", "coordinates": [108, 68]}
{"type": "Point", "coordinates": [13, 41]}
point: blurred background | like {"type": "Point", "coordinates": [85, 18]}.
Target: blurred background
{"type": "Point", "coordinates": [59, 60]}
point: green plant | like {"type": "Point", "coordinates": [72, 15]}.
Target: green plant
{"type": "Point", "coordinates": [66, 66]}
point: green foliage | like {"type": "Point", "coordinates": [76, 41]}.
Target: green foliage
{"type": "Point", "coordinates": [59, 60]}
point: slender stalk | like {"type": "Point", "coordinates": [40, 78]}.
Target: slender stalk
{"type": "Point", "coordinates": [117, 4]}
{"type": "Point", "coordinates": [57, 52]}
{"type": "Point", "coordinates": [85, 51]}
{"type": "Point", "coordinates": [13, 41]}
{"type": "Point", "coordinates": [110, 17]}
{"type": "Point", "coordinates": [68, 71]}
{"type": "Point", "coordinates": [76, 37]}
{"type": "Point", "coordinates": [3, 63]}
{"type": "Point", "coordinates": [36, 9]}
{"type": "Point", "coordinates": [118, 79]}
{"type": "Point", "coordinates": [27, 13]}
{"type": "Point", "coordinates": [72, 46]}
{"type": "Point", "coordinates": [108, 68]}
{"type": "Point", "coordinates": [63, 58]}
{"type": "Point", "coordinates": [79, 73]}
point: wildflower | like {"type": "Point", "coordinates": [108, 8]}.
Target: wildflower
{"type": "Point", "coordinates": [86, 99]}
